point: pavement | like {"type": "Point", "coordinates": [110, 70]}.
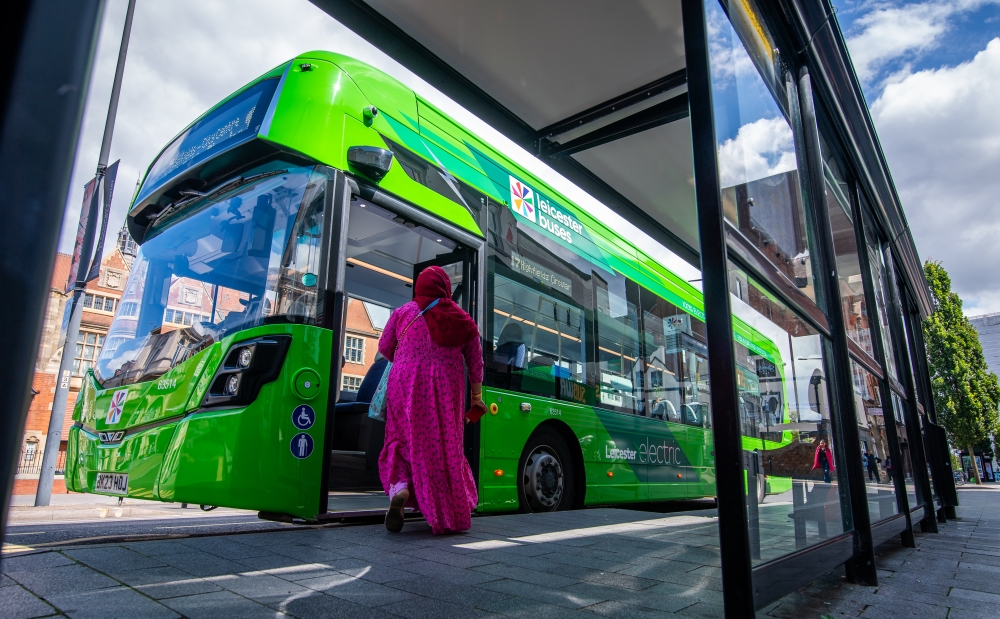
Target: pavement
{"type": "Point", "coordinates": [94, 507]}
{"type": "Point", "coordinates": [585, 564]}
{"type": "Point", "coordinates": [954, 574]}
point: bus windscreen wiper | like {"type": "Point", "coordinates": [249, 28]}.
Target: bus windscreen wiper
{"type": "Point", "coordinates": [190, 195]}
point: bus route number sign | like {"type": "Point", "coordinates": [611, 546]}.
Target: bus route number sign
{"type": "Point", "coordinates": [303, 416]}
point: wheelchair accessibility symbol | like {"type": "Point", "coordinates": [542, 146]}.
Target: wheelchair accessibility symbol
{"type": "Point", "coordinates": [303, 416]}
{"type": "Point", "coordinates": [302, 445]}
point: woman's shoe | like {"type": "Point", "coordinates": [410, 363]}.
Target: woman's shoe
{"type": "Point", "coordinates": [394, 517]}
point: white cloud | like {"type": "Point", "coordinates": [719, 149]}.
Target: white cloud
{"type": "Point", "coordinates": [760, 149]}
{"type": "Point", "coordinates": [890, 32]}
{"type": "Point", "coordinates": [941, 134]}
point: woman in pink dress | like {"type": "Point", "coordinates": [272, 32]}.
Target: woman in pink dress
{"type": "Point", "coordinates": [430, 342]}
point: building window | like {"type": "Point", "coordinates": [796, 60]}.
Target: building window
{"type": "Point", "coordinates": [352, 383]}
{"type": "Point", "coordinates": [29, 451]}
{"type": "Point", "coordinates": [99, 303]}
{"type": "Point", "coordinates": [177, 317]}
{"type": "Point", "coordinates": [354, 349]}
{"type": "Point", "coordinates": [129, 308]}
{"type": "Point", "coordinates": [88, 348]}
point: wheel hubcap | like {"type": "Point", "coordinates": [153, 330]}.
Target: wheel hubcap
{"type": "Point", "coordinates": [543, 479]}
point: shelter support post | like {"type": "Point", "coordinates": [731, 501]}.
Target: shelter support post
{"type": "Point", "coordinates": [734, 539]}
{"type": "Point", "coordinates": [44, 86]}
{"type": "Point", "coordinates": [861, 568]}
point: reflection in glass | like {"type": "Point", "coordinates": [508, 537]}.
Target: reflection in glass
{"type": "Point", "coordinates": [675, 362]}
{"type": "Point", "coordinates": [758, 172]}
{"type": "Point", "coordinates": [845, 245]}
{"type": "Point", "coordinates": [874, 443]}
{"type": "Point", "coordinates": [906, 463]}
{"type": "Point", "coordinates": [906, 358]}
{"type": "Point", "coordinates": [787, 426]}
{"type": "Point", "coordinates": [880, 284]}
{"type": "Point", "coordinates": [221, 264]}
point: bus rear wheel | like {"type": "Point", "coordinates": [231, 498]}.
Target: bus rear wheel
{"type": "Point", "coordinates": [546, 475]}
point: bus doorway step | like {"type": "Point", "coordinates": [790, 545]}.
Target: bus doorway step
{"type": "Point", "coordinates": [359, 516]}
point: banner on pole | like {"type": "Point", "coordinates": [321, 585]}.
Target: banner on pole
{"type": "Point", "coordinates": [109, 190]}
{"type": "Point", "coordinates": [89, 204]}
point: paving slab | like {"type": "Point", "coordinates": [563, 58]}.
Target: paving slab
{"type": "Point", "coordinates": [113, 602]}
{"type": "Point", "coordinates": [16, 602]}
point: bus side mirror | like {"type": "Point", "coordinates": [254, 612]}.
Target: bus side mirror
{"type": "Point", "coordinates": [374, 162]}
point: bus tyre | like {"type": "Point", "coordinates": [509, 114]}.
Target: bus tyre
{"type": "Point", "coordinates": [545, 474]}
{"type": "Point", "coordinates": [761, 488]}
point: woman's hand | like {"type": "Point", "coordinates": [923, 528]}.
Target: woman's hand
{"type": "Point", "coordinates": [476, 410]}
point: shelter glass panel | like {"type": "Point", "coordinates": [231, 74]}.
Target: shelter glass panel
{"type": "Point", "coordinates": [791, 453]}
{"type": "Point", "coordinates": [880, 284]}
{"type": "Point", "coordinates": [758, 169]}
{"type": "Point", "coordinates": [845, 245]}
{"type": "Point", "coordinates": [905, 451]}
{"type": "Point", "coordinates": [906, 358]}
{"type": "Point", "coordinates": [874, 443]}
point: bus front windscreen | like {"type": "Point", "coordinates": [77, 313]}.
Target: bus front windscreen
{"type": "Point", "coordinates": [243, 258]}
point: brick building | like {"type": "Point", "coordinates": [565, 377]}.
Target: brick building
{"type": "Point", "coordinates": [101, 299]}
{"type": "Point", "coordinates": [364, 327]}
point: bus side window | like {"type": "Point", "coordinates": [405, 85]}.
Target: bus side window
{"type": "Point", "coordinates": [619, 363]}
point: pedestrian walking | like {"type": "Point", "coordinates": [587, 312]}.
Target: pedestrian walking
{"type": "Point", "coordinates": [431, 342]}
{"type": "Point", "coordinates": [823, 460]}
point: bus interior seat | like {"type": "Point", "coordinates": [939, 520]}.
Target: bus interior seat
{"type": "Point", "coordinates": [353, 429]}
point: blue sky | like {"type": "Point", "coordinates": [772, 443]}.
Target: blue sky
{"type": "Point", "coordinates": [938, 33]}
{"type": "Point", "coordinates": [931, 76]}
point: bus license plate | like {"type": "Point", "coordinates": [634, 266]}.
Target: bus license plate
{"type": "Point", "coordinates": [112, 483]}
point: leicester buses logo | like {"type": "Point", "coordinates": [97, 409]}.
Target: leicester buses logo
{"type": "Point", "coordinates": [522, 199]}
{"type": "Point", "coordinates": [116, 407]}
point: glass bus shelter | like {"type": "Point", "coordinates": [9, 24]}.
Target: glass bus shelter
{"type": "Point", "coordinates": [734, 133]}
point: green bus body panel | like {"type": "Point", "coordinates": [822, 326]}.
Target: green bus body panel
{"type": "Point", "coordinates": [237, 457]}
{"type": "Point", "coordinates": [655, 460]}
{"type": "Point", "coordinates": [778, 485]}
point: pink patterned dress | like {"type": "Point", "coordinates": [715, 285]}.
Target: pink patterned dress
{"type": "Point", "coordinates": [425, 421]}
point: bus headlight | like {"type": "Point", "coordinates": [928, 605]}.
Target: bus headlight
{"type": "Point", "coordinates": [245, 368]}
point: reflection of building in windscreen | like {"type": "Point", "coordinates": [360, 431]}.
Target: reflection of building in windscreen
{"type": "Point", "coordinates": [211, 268]}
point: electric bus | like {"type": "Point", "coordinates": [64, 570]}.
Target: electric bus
{"type": "Point", "coordinates": [323, 188]}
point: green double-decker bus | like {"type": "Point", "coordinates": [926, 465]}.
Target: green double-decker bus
{"type": "Point", "coordinates": [326, 183]}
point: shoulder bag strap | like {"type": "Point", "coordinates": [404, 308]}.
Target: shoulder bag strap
{"type": "Point", "coordinates": [407, 327]}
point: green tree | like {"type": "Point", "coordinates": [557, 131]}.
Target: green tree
{"type": "Point", "coordinates": [966, 394]}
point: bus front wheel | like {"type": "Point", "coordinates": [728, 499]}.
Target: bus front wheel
{"type": "Point", "coordinates": [546, 474]}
